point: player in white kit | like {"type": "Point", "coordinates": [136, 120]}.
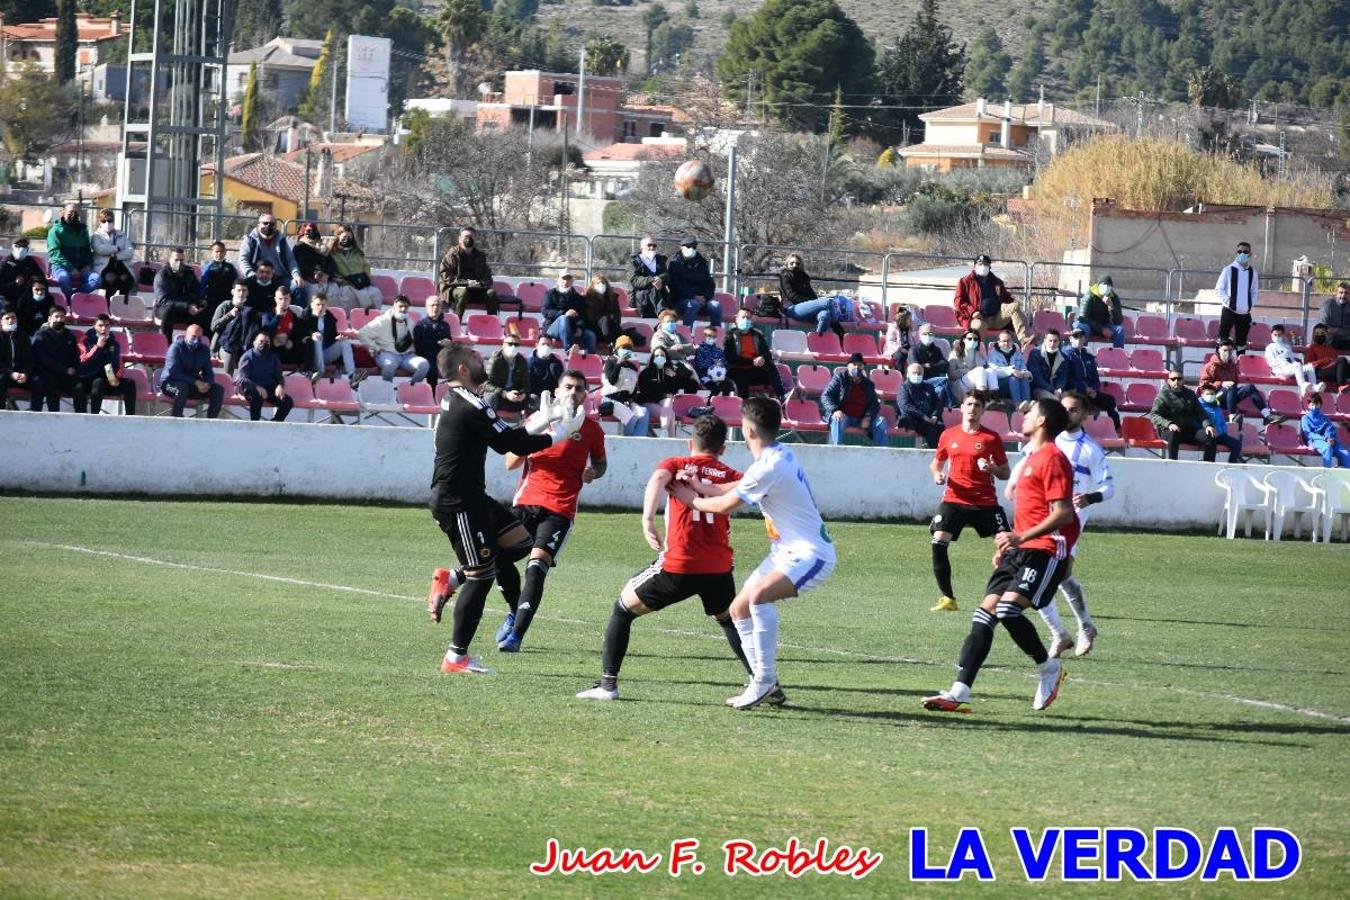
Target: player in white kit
{"type": "Point", "coordinates": [801, 554]}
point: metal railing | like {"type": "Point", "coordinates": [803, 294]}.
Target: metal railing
{"type": "Point", "coordinates": [611, 253]}
{"type": "Point", "coordinates": [836, 268]}
{"type": "Point", "coordinates": [520, 252]}
{"type": "Point", "coordinates": [910, 261]}
{"type": "Point", "coordinates": [1136, 286]}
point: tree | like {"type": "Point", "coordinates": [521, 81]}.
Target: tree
{"type": "Point", "coordinates": [691, 9]}
{"type": "Point", "coordinates": [257, 22]}
{"type": "Point", "coordinates": [16, 11]}
{"type": "Point", "coordinates": [1209, 87]}
{"type": "Point", "coordinates": [520, 10]}
{"type": "Point", "coordinates": [1023, 75]}
{"type": "Point", "coordinates": [797, 52]}
{"type": "Point", "coordinates": [410, 34]}
{"type": "Point", "coordinates": [668, 42]}
{"type": "Point", "coordinates": [36, 113]}
{"type": "Point", "coordinates": [605, 55]}
{"type": "Point", "coordinates": [314, 106]}
{"type": "Point", "coordinates": [462, 22]}
{"type": "Point", "coordinates": [922, 70]}
{"type": "Point", "coordinates": [837, 119]}
{"type": "Point", "coordinates": [987, 69]}
{"type": "Point", "coordinates": [653, 18]}
{"type": "Point", "coordinates": [249, 125]}
{"type": "Point", "coordinates": [67, 41]}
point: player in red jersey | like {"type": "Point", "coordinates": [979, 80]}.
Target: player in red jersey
{"type": "Point", "coordinates": [695, 559]}
{"type": "Point", "coordinates": [546, 504]}
{"type": "Point", "coordinates": [975, 458]}
{"type": "Point", "coordinates": [1030, 561]}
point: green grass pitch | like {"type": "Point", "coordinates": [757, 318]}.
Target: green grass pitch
{"type": "Point", "coordinates": [172, 724]}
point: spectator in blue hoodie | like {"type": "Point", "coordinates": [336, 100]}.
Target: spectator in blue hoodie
{"type": "Point", "coordinates": [1217, 416]}
{"type": "Point", "coordinates": [1053, 371]}
{"type": "Point", "coordinates": [850, 401]}
{"type": "Point", "coordinates": [57, 356]}
{"type": "Point", "coordinates": [100, 369]}
{"type": "Point", "coordinates": [259, 380]}
{"type": "Point", "coordinates": [1089, 378]}
{"type": "Point", "coordinates": [920, 406]}
{"type": "Point", "coordinates": [710, 365]}
{"type": "Point", "coordinates": [1320, 434]}
{"type": "Point", "coordinates": [188, 374]}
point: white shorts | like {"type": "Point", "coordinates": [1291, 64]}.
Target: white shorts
{"type": "Point", "coordinates": [805, 565]}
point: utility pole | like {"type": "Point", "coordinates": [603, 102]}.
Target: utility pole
{"type": "Point", "coordinates": [749, 94]}
{"type": "Point", "coordinates": [564, 225]}
{"type": "Point", "coordinates": [332, 100]}
{"type": "Point", "coordinates": [1139, 122]}
{"type": "Point", "coordinates": [304, 210]}
{"type": "Point", "coordinates": [1099, 94]}
{"type": "Point", "coordinates": [581, 99]}
{"type": "Point", "coordinates": [1284, 169]}
{"type": "Point", "coordinates": [729, 224]}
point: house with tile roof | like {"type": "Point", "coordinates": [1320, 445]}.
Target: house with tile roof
{"type": "Point", "coordinates": [26, 46]}
{"type": "Point", "coordinates": [261, 182]}
{"type": "Point", "coordinates": [980, 134]}
{"type": "Point", "coordinates": [284, 67]}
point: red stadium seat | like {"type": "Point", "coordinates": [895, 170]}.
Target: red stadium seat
{"type": "Point", "coordinates": [591, 365]}
{"type": "Point", "coordinates": [146, 397]}
{"type": "Point", "coordinates": [1139, 397]}
{"type": "Point", "coordinates": [148, 347]}
{"type": "Point", "coordinates": [825, 347]}
{"type": "Point", "coordinates": [729, 409]}
{"type": "Point", "coordinates": [784, 375]}
{"type": "Point", "coordinates": [681, 404]}
{"type": "Point", "coordinates": [1045, 319]}
{"type": "Point", "coordinates": [1259, 336]}
{"type": "Point", "coordinates": [1286, 440]}
{"type": "Point", "coordinates": [527, 327]}
{"type": "Point", "coordinates": [888, 383]}
{"type": "Point", "coordinates": [1103, 432]}
{"type": "Point", "coordinates": [812, 380]}
{"type": "Point", "coordinates": [417, 288]}
{"type": "Point", "coordinates": [864, 342]}
{"type": "Point", "coordinates": [1342, 412]}
{"type": "Point", "coordinates": [358, 318]}
{"type": "Point", "coordinates": [1253, 368]}
{"type": "Point", "coordinates": [1115, 389]}
{"type": "Point", "coordinates": [387, 285]}
{"type": "Point", "coordinates": [531, 295]}
{"type": "Point", "coordinates": [484, 329]}
{"type": "Point", "coordinates": [1191, 333]}
{"type": "Point", "coordinates": [1139, 432]}
{"type": "Point", "coordinates": [804, 416]}
{"type": "Point", "coordinates": [340, 316]}
{"type": "Point", "coordinates": [1152, 330]}
{"type": "Point", "coordinates": [335, 397]}
{"type": "Point", "coordinates": [84, 307]}
{"type": "Point", "coordinates": [416, 399]}
{"type": "Point", "coordinates": [942, 318]}
{"type": "Point", "coordinates": [1113, 362]}
{"type": "Point", "coordinates": [1253, 442]}
{"type": "Point", "coordinates": [1285, 403]}
{"type": "Point", "coordinates": [1148, 363]}
{"type": "Point", "coordinates": [951, 417]}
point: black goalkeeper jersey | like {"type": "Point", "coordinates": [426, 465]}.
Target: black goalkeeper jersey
{"type": "Point", "coordinates": [466, 429]}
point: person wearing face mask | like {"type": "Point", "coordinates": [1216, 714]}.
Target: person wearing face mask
{"type": "Point", "coordinates": [320, 344]}
{"type": "Point", "coordinates": [266, 242]}
{"type": "Point", "coordinates": [667, 337]}
{"type": "Point", "coordinates": [1052, 370]}
{"type": "Point", "coordinates": [1221, 370]}
{"type": "Point", "coordinates": [112, 257]}
{"type": "Point", "coordinates": [692, 286]}
{"type": "Point", "coordinates": [1285, 363]}
{"type": "Point", "coordinates": [968, 368]}
{"type": "Point", "coordinates": [464, 276]}
{"type": "Point", "coordinates": [1217, 419]}
{"type": "Point", "coordinates": [311, 253]}
{"type": "Point", "coordinates": [1320, 434]}
{"type": "Point", "coordinates": [217, 281]}
{"type": "Point", "coordinates": [1099, 312]}
{"type": "Point", "coordinates": [982, 302]}
{"type": "Point", "coordinates": [603, 314]}
{"type": "Point", "coordinates": [508, 384]}
{"type": "Point", "coordinates": [850, 401]}
{"type": "Point", "coordinates": [749, 359]}
{"type": "Point", "coordinates": [661, 380]}
{"type": "Point", "coordinates": [16, 363]}
{"type": "Point", "coordinates": [546, 369]}
{"type": "Point", "coordinates": [188, 374]}
{"type": "Point", "coordinates": [1329, 366]}
{"type": "Point", "coordinates": [70, 253]}
{"type": "Point", "coordinates": [710, 365]}
{"type": "Point", "coordinates": [564, 312]}
{"type": "Point", "coordinates": [431, 334]}
{"type": "Point", "coordinates": [389, 338]}
{"type": "Point", "coordinates": [1335, 317]}
{"type": "Point", "coordinates": [262, 287]}
{"type": "Point", "coordinates": [618, 388]}
{"type": "Point", "coordinates": [233, 326]}
{"type": "Point", "coordinates": [17, 272]}
{"type": "Point", "coordinates": [1238, 288]}
{"type": "Point", "coordinates": [279, 324]}
{"type": "Point", "coordinates": [178, 299]}
{"type": "Point", "coordinates": [1177, 416]}
{"type": "Point", "coordinates": [100, 370]}
{"type": "Point", "coordinates": [1089, 379]}
{"type": "Point", "coordinates": [1010, 368]}
{"type": "Point", "coordinates": [800, 302]}
{"type": "Point", "coordinates": [259, 380]}
{"type": "Point", "coordinates": [351, 287]}
{"type": "Point", "coordinates": [648, 279]}
{"type": "Point", "coordinates": [920, 406]}
{"type": "Point", "coordinates": [928, 354]}
{"type": "Point", "coordinates": [56, 353]}
{"type": "Point", "coordinates": [34, 307]}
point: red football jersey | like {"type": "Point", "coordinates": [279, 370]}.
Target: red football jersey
{"type": "Point", "coordinates": [1047, 476]}
{"type": "Point", "coordinates": [966, 484]}
{"type": "Point", "coordinates": [552, 477]}
{"type": "Point", "coordinates": [697, 543]}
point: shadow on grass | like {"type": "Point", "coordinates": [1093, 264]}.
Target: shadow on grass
{"type": "Point", "coordinates": [1274, 626]}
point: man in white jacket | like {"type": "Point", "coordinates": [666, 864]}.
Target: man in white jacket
{"type": "Point", "coordinates": [1283, 363]}
{"type": "Point", "coordinates": [112, 257]}
{"type": "Point", "coordinates": [389, 338]}
{"type": "Point", "coordinates": [1238, 288]}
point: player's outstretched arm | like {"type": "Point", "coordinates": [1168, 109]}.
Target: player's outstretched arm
{"type": "Point", "coordinates": [724, 505]}
{"type": "Point", "coordinates": [514, 461]}
{"type": "Point", "coordinates": [703, 488]}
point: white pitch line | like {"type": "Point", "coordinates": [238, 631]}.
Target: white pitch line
{"type": "Point", "coordinates": [1245, 701]}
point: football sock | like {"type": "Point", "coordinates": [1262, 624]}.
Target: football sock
{"type": "Point", "coordinates": [508, 579]}
{"type": "Point", "coordinates": [764, 619]}
{"type": "Point", "coordinates": [616, 644]}
{"type": "Point", "coordinates": [1023, 633]}
{"type": "Point", "coordinates": [530, 596]}
{"type": "Point", "coordinates": [1073, 592]}
{"type": "Point", "coordinates": [746, 629]}
{"type": "Point", "coordinates": [976, 648]}
{"type": "Point", "coordinates": [469, 604]}
{"type": "Point", "coordinates": [734, 639]}
{"type": "Point", "coordinates": [1050, 613]}
{"type": "Point", "coordinates": [942, 568]}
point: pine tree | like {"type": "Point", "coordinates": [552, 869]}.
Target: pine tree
{"type": "Point", "coordinates": [1023, 75]}
{"type": "Point", "coordinates": [314, 107]}
{"type": "Point", "coordinates": [248, 121]}
{"type": "Point", "coordinates": [67, 41]}
{"type": "Point", "coordinates": [837, 120]}
{"type": "Point", "coordinates": [924, 69]}
{"type": "Point", "coordinates": [987, 69]}
{"type": "Point", "coordinates": [653, 18]}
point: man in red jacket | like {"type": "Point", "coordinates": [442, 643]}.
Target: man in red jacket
{"type": "Point", "coordinates": [983, 303]}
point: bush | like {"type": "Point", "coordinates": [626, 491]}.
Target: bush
{"type": "Point", "coordinates": [37, 231]}
{"type": "Point", "coordinates": [617, 220]}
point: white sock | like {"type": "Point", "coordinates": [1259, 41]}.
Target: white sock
{"type": "Point", "coordinates": [960, 691]}
{"type": "Point", "coordinates": [451, 655]}
{"type": "Point", "coordinates": [765, 619]}
{"type": "Point", "coordinates": [1050, 613]}
{"type": "Point", "coordinates": [1073, 592]}
{"type": "Point", "coordinates": [746, 629]}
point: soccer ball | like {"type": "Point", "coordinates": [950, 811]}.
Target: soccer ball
{"type": "Point", "coordinates": [694, 180]}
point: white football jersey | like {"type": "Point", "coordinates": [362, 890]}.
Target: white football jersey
{"type": "Point", "coordinates": [777, 485]}
{"type": "Point", "coordinates": [1091, 472]}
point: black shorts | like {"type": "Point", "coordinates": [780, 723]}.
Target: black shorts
{"type": "Point", "coordinates": [549, 529]}
{"type": "Point", "coordinates": [954, 517]}
{"type": "Point", "coordinates": [657, 589]}
{"type": "Point", "coordinates": [1035, 574]}
{"type": "Point", "coordinates": [474, 527]}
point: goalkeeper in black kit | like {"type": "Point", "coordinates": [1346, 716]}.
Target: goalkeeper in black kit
{"type": "Point", "coordinates": [480, 529]}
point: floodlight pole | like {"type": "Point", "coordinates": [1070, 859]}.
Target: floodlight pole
{"type": "Point", "coordinates": [729, 263]}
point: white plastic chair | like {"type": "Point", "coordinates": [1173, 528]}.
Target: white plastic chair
{"type": "Point", "coordinates": [1332, 495]}
{"type": "Point", "coordinates": [1293, 497]}
{"type": "Point", "coordinates": [378, 400]}
{"type": "Point", "coordinates": [1245, 497]}
{"type": "Point", "coordinates": [788, 343]}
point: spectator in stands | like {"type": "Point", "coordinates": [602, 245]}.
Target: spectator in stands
{"type": "Point", "coordinates": [1329, 367]}
{"type": "Point", "coordinates": [667, 337]}
{"type": "Point", "coordinates": [465, 276]}
{"type": "Point", "coordinates": [279, 325]}
{"type": "Point", "coordinates": [266, 242]}
{"type": "Point", "coordinates": [1010, 368]}
{"type": "Point", "coordinates": [1179, 419]}
{"type": "Point", "coordinates": [662, 379]}
{"type": "Point", "coordinates": [1336, 317]}
{"type": "Point", "coordinates": [16, 362]}
{"type": "Point", "coordinates": [316, 334]}
{"type": "Point", "coordinates": [928, 353]}
{"type": "Point", "coordinates": [17, 273]}
{"type": "Point", "coordinates": [178, 299]}
{"type": "Point", "coordinates": [710, 364]}
{"type": "Point", "coordinates": [262, 288]}
{"type": "Point", "coordinates": [1238, 288]}
{"type": "Point", "coordinates": [1285, 363]}
{"type": "Point", "coordinates": [896, 346]}
{"type": "Point", "coordinates": [112, 257]}
{"type": "Point", "coordinates": [692, 286]}
{"type": "Point", "coordinates": [920, 406]}
{"type": "Point", "coordinates": [56, 355]}
{"type": "Point", "coordinates": [1052, 371]}
{"type": "Point", "coordinates": [1099, 312]}
{"type": "Point", "coordinates": [312, 257]}
{"type": "Point", "coordinates": [259, 380]}
{"type": "Point", "coordinates": [968, 368]}
{"type": "Point", "coordinates": [648, 280]}
{"type": "Point", "coordinates": [1089, 379]}
{"type": "Point", "coordinates": [100, 368]}
{"type": "Point", "coordinates": [603, 315]}
{"type": "Point", "coordinates": [389, 338]}
{"type": "Point", "coordinates": [1221, 371]}
{"type": "Point", "coordinates": [508, 377]}
{"type": "Point", "coordinates": [850, 401]}
{"type": "Point", "coordinates": [34, 307]}
{"type": "Point", "coordinates": [233, 326]}
{"type": "Point", "coordinates": [71, 254]}
{"type": "Point", "coordinates": [546, 369]}
{"type": "Point", "coordinates": [217, 281]}
{"type": "Point", "coordinates": [351, 287]}
{"type": "Point", "coordinates": [1320, 434]}
{"type": "Point", "coordinates": [799, 299]}
{"type": "Point", "coordinates": [983, 302]}
{"type": "Point", "coordinates": [1216, 418]}
{"type": "Point", "coordinates": [188, 374]}
{"type": "Point", "coordinates": [618, 388]}
{"type": "Point", "coordinates": [749, 359]}
{"type": "Point", "coordinates": [564, 312]}
{"type": "Point", "coordinates": [431, 334]}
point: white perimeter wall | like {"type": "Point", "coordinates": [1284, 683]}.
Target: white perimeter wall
{"type": "Point", "coordinates": [115, 454]}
